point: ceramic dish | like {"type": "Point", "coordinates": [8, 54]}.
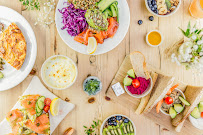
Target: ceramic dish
{"type": "Point", "coordinates": [147, 91]}
{"type": "Point", "coordinates": [13, 77]}
{"type": "Point", "coordinates": [120, 115]}
{"type": "Point", "coordinates": [148, 40]}
{"type": "Point", "coordinates": [92, 78]}
{"type": "Point", "coordinates": [173, 12]}
{"type": "Point", "coordinates": [182, 94]}
{"type": "Point", "coordinates": [59, 72]}
{"type": "Point", "coordinates": [109, 44]}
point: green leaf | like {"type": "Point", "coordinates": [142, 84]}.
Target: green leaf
{"type": "Point", "coordinates": [182, 31]}
{"type": "Point", "coordinates": [84, 126]}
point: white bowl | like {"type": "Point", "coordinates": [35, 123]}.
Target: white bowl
{"type": "Point", "coordinates": [43, 76]}
{"type": "Point", "coordinates": [102, 126]}
{"type": "Point", "coordinates": [95, 78]}
{"type": "Point", "coordinates": [182, 96]}
{"type": "Point", "coordinates": [162, 38]}
{"type": "Point", "coordinates": [173, 12]}
{"type": "Point", "coordinates": [147, 91]}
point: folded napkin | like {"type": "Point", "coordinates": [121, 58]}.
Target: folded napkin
{"type": "Point", "coordinates": [36, 87]}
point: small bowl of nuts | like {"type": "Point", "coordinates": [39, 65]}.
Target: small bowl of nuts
{"type": "Point", "coordinates": [163, 8]}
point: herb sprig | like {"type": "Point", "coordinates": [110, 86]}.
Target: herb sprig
{"type": "Point", "coordinates": [91, 130]}
{"type": "Point", "coordinates": [31, 4]}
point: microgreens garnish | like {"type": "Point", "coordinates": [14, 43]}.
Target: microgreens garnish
{"type": "Point", "coordinates": [31, 4]}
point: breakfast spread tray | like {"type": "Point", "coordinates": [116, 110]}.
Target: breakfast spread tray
{"type": "Point", "coordinates": [133, 103]}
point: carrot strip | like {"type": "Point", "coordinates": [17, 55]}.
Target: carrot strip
{"type": "Point", "coordinates": [202, 114]}
{"type": "Point", "coordinates": [171, 89]}
{"type": "Point", "coordinates": [159, 105]}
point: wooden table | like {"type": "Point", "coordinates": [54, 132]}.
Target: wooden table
{"type": "Point", "coordinates": [105, 66]}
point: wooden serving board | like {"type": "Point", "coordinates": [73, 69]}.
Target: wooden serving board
{"type": "Point", "coordinates": [132, 103]}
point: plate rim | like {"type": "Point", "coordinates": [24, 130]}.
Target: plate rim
{"type": "Point", "coordinates": [34, 51]}
{"type": "Point", "coordinates": [96, 53]}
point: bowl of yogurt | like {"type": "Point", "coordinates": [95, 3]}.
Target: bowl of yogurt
{"type": "Point", "coordinates": [59, 72]}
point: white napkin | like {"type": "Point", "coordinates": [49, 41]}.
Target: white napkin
{"type": "Point", "coordinates": [36, 87]}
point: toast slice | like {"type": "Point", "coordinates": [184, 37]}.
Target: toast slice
{"type": "Point", "coordinates": [162, 86]}
{"type": "Point", "coordinates": [136, 59]}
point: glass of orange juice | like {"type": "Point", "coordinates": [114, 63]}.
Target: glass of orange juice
{"type": "Point", "coordinates": [196, 8]}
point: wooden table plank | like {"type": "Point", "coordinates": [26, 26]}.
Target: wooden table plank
{"type": "Point", "coordinates": [104, 66]}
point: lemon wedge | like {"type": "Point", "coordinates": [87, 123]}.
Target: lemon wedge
{"type": "Point", "coordinates": [54, 107]}
{"type": "Point", "coordinates": [92, 45]}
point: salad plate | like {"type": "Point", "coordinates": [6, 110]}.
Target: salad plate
{"type": "Point", "coordinates": [109, 44]}
{"type": "Point", "coordinates": [12, 76]}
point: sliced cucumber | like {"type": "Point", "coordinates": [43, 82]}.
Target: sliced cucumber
{"type": "Point", "coordinates": [38, 109]}
{"type": "Point", "coordinates": [127, 81]}
{"type": "Point", "coordinates": [104, 4]}
{"type": "Point", "coordinates": [172, 112]}
{"type": "Point", "coordinates": [108, 13]}
{"type": "Point", "coordinates": [113, 10]}
{"type": "Point", "coordinates": [131, 73]}
{"type": "Point", "coordinates": [200, 106]}
{"type": "Point", "coordinates": [196, 113]}
{"type": "Point", "coordinates": [184, 101]}
{"type": "Point", "coordinates": [40, 102]}
{"type": "Point", "coordinates": [39, 113]}
{"type": "Point", "coordinates": [178, 107]}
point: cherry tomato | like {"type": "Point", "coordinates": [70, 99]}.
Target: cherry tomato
{"type": "Point", "coordinates": [136, 83]}
{"type": "Point", "coordinates": [46, 108]}
{"type": "Point", "coordinates": [202, 114]}
{"type": "Point", "coordinates": [168, 100]}
{"type": "Point", "coordinates": [47, 101]}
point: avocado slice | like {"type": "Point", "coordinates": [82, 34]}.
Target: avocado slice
{"type": "Point", "coordinates": [127, 81]}
{"type": "Point", "coordinates": [92, 16]}
{"type": "Point", "coordinates": [123, 128]}
{"type": "Point", "coordinates": [131, 73]}
{"type": "Point", "coordinates": [172, 112]}
{"type": "Point", "coordinates": [196, 113]}
{"type": "Point", "coordinates": [200, 106]}
{"type": "Point", "coordinates": [1, 75]}
{"type": "Point", "coordinates": [178, 107]}
{"type": "Point", "coordinates": [111, 130]}
{"type": "Point", "coordinates": [105, 130]}
{"type": "Point", "coordinates": [127, 128]}
{"type": "Point", "coordinates": [184, 101]}
{"type": "Point", "coordinates": [104, 4]}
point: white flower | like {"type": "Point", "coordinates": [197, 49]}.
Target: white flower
{"type": "Point", "coordinates": [200, 42]}
{"type": "Point", "coordinates": [201, 53]}
{"type": "Point", "coordinates": [193, 30]}
{"type": "Point", "coordinates": [194, 37]}
{"type": "Point", "coordinates": [195, 47]}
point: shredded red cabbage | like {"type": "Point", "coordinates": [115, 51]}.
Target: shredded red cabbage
{"type": "Point", "coordinates": [73, 19]}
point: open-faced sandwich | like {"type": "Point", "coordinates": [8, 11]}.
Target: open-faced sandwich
{"type": "Point", "coordinates": [33, 118]}
{"type": "Point", "coordinates": [138, 82]}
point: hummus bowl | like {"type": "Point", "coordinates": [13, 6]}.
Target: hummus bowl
{"type": "Point", "coordinates": [146, 92]}
{"type": "Point", "coordinates": [59, 72]}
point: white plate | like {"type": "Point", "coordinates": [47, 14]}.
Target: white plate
{"type": "Point", "coordinates": [109, 44]}
{"type": "Point", "coordinates": [12, 76]}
